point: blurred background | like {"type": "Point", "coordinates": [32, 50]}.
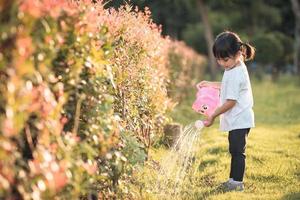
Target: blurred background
{"type": "Point", "coordinates": [268, 25]}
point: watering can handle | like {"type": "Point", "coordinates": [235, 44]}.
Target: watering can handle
{"type": "Point", "coordinates": [198, 86]}
{"type": "Point", "coordinates": [208, 86]}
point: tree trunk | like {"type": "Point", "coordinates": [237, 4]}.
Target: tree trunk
{"type": "Point", "coordinates": [172, 133]}
{"type": "Point", "coordinates": [296, 10]}
{"type": "Point", "coordinates": [212, 65]}
{"type": "Point", "coordinates": [275, 72]}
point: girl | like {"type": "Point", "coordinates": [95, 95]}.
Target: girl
{"type": "Point", "coordinates": [236, 114]}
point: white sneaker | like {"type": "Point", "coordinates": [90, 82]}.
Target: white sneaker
{"type": "Point", "coordinates": [234, 186]}
{"type": "Point", "coordinates": [224, 184]}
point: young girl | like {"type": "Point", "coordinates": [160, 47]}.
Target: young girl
{"type": "Point", "coordinates": [236, 114]}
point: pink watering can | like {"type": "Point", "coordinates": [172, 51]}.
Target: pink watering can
{"type": "Point", "coordinates": [207, 101]}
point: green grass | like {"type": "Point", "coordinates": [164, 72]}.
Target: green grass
{"type": "Point", "coordinates": [273, 150]}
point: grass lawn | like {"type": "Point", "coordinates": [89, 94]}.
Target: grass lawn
{"type": "Point", "coordinates": [273, 151]}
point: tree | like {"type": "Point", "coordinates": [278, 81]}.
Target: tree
{"type": "Point", "coordinates": [270, 52]}
{"type": "Point", "coordinates": [250, 19]}
{"type": "Point", "coordinates": [172, 15]}
{"type": "Point", "coordinates": [212, 65]}
{"type": "Point", "coordinates": [296, 10]}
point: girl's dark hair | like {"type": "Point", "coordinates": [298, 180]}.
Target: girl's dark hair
{"type": "Point", "coordinates": [227, 44]}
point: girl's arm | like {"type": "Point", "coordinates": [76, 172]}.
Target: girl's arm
{"type": "Point", "coordinates": [220, 110]}
{"type": "Point", "coordinates": [209, 83]}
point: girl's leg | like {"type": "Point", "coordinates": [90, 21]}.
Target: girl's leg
{"type": "Point", "coordinates": [237, 145]}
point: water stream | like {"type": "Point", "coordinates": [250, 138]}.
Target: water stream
{"type": "Point", "coordinates": [176, 164]}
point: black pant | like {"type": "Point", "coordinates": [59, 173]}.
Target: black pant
{"type": "Point", "coordinates": [237, 145]}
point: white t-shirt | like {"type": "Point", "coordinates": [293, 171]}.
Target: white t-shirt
{"type": "Point", "coordinates": [236, 86]}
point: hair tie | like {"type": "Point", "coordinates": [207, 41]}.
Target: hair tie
{"type": "Point", "coordinates": [241, 45]}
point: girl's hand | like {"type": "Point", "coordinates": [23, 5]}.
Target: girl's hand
{"type": "Point", "coordinates": [203, 84]}
{"type": "Point", "coordinates": [209, 121]}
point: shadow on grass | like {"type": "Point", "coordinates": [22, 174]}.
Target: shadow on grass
{"type": "Point", "coordinates": [213, 191]}
{"type": "Point", "coordinates": [267, 178]}
{"type": "Point", "coordinates": [292, 196]}
{"type": "Point", "coordinates": [207, 163]}
{"type": "Point", "coordinates": [256, 159]}
{"type": "Point", "coordinates": [222, 190]}
{"type": "Point", "coordinates": [208, 182]}
{"type": "Point", "coordinates": [217, 150]}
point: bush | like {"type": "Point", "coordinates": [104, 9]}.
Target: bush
{"type": "Point", "coordinates": [83, 97]}
{"type": "Point", "coordinates": [186, 69]}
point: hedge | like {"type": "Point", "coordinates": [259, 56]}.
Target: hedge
{"type": "Point", "coordinates": [84, 95]}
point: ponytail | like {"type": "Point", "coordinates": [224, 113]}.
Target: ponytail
{"type": "Point", "coordinates": [250, 51]}
{"type": "Point", "coordinates": [228, 44]}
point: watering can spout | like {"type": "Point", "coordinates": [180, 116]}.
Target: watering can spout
{"type": "Point", "coordinates": [199, 124]}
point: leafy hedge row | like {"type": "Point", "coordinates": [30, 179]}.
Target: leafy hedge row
{"type": "Point", "coordinates": [186, 69]}
{"type": "Point", "coordinates": [83, 96]}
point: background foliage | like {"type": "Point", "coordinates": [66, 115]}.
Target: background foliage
{"type": "Point", "coordinates": [271, 21]}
